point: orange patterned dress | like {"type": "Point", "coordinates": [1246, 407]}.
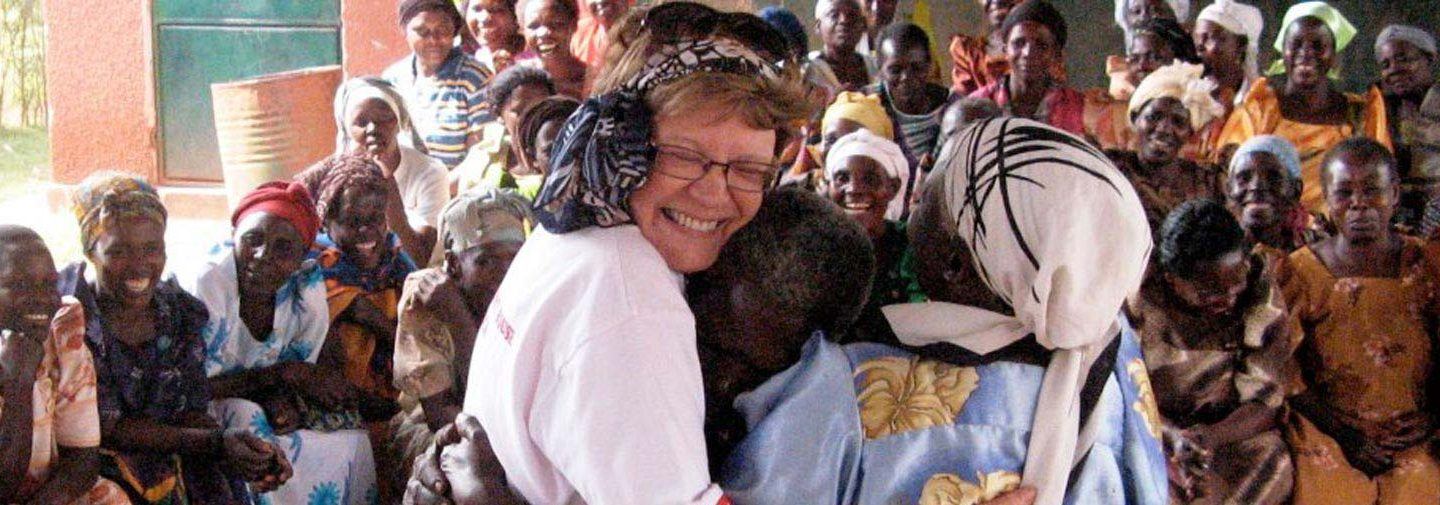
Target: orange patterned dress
{"type": "Point", "coordinates": [1366, 349]}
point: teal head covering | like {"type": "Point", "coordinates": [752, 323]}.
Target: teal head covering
{"type": "Point", "coordinates": [1340, 27]}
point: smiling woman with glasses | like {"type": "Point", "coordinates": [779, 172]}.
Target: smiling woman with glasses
{"type": "Point", "coordinates": [585, 373]}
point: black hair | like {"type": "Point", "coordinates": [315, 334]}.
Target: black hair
{"type": "Point", "coordinates": [555, 108]}
{"type": "Point", "coordinates": [1196, 232]}
{"type": "Point", "coordinates": [507, 81]}
{"type": "Point", "coordinates": [411, 8]}
{"type": "Point", "coordinates": [564, 7]}
{"type": "Point", "coordinates": [1038, 11]}
{"type": "Point", "coordinates": [1363, 149]}
{"type": "Point", "coordinates": [13, 235]}
{"type": "Point", "coordinates": [1173, 34]}
{"type": "Point", "coordinates": [904, 34]}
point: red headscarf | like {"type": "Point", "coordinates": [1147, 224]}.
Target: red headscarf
{"type": "Point", "coordinates": [287, 200]}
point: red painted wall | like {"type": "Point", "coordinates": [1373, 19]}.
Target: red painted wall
{"type": "Point", "coordinates": [98, 77]}
{"type": "Point", "coordinates": [370, 36]}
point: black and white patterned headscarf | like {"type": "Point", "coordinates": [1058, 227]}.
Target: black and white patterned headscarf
{"type": "Point", "coordinates": [604, 151]}
{"type": "Point", "coordinates": [1055, 230]}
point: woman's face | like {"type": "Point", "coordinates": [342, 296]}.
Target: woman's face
{"type": "Point", "coordinates": [129, 258]}
{"type": "Point", "coordinates": [521, 100]}
{"type": "Point", "coordinates": [493, 22]}
{"type": "Point", "coordinates": [1215, 286]}
{"type": "Point", "coordinates": [477, 271]}
{"type": "Point", "coordinates": [544, 139]}
{"type": "Point", "coordinates": [1259, 193]}
{"type": "Point", "coordinates": [1218, 47]}
{"type": "Point", "coordinates": [863, 190]}
{"type": "Point", "coordinates": [1309, 53]}
{"type": "Point", "coordinates": [842, 26]}
{"type": "Point", "coordinates": [1361, 197]}
{"type": "Point", "coordinates": [942, 260]}
{"type": "Point", "coordinates": [29, 293]}
{"type": "Point", "coordinates": [372, 127]}
{"type": "Point", "coordinates": [1139, 11]}
{"type": "Point", "coordinates": [689, 221]}
{"type": "Point", "coordinates": [1405, 69]}
{"type": "Point", "coordinates": [1163, 127]}
{"type": "Point", "coordinates": [547, 29]}
{"type": "Point", "coordinates": [833, 131]}
{"type": "Point", "coordinates": [1032, 51]}
{"type": "Point", "coordinates": [905, 70]}
{"type": "Point", "coordinates": [358, 227]}
{"type": "Point", "coordinates": [1148, 52]}
{"type": "Point", "coordinates": [268, 250]}
{"type": "Point", "coordinates": [431, 35]}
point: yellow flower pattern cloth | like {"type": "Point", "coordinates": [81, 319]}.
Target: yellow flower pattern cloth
{"type": "Point", "coordinates": [899, 394]}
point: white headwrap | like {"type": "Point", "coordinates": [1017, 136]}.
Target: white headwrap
{"type": "Point", "coordinates": [1185, 82]}
{"type": "Point", "coordinates": [1419, 37]}
{"type": "Point", "coordinates": [822, 7]}
{"type": "Point", "coordinates": [1056, 231]}
{"type": "Point", "coordinates": [884, 151]}
{"type": "Point", "coordinates": [1239, 19]}
{"type": "Point", "coordinates": [359, 89]}
{"type": "Point", "coordinates": [1181, 8]}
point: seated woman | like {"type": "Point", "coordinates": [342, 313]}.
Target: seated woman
{"type": "Point", "coordinates": [440, 313]}
{"type": "Point", "coordinates": [441, 84]}
{"type": "Point", "coordinates": [47, 384]}
{"type": "Point", "coordinates": [1367, 300]}
{"type": "Point", "coordinates": [496, 27]}
{"type": "Point", "coordinates": [1153, 44]}
{"type": "Point", "coordinates": [863, 176]}
{"type": "Point", "coordinates": [1406, 55]}
{"type": "Point", "coordinates": [1262, 190]}
{"type": "Point", "coordinates": [372, 122]}
{"type": "Point", "coordinates": [364, 268]}
{"type": "Point", "coordinates": [159, 443]}
{"type": "Point", "coordinates": [1216, 339]}
{"type": "Point", "coordinates": [267, 325]}
{"type": "Point", "coordinates": [912, 101]}
{"type": "Point", "coordinates": [1167, 109]}
{"type": "Point", "coordinates": [840, 24]}
{"type": "Point", "coordinates": [539, 127]}
{"type": "Point", "coordinates": [1227, 37]}
{"type": "Point", "coordinates": [944, 425]}
{"type": "Point", "coordinates": [493, 164]}
{"type": "Point", "coordinates": [1034, 35]}
{"type": "Point", "coordinates": [548, 26]}
{"type": "Point", "coordinates": [1305, 106]}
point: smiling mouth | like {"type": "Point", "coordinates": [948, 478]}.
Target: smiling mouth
{"type": "Point", "coordinates": [36, 318]}
{"type": "Point", "coordinates": [366, 248]}
{"type": "Point", "coordinates": [137, 286]}
{"type": "Point", "coordinates": [690, 222]}
{"type": "Point", "coordinates": [546, 47]}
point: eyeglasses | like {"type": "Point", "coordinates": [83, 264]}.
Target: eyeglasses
{"type": "Point", "coordinates": [690, 165]}
{"type": "Point", "coordinates": [675, 21]}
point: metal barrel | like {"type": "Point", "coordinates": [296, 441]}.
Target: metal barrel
{"type": "Point", "coordinates": [271, 127]}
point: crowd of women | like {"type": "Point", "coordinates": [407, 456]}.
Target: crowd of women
{"type": "Point", "coordinates": [663, 254]}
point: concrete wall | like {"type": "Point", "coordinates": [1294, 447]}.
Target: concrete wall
{"type": "Point", "coordinates": [101, 91]}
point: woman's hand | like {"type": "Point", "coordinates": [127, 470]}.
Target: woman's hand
{"type": "Point", "coordinates": [1406, 431]}
{"type": "Point", "coordinates": [475, 474]}
{"type": "Point", "coordinates": [249, 455]}
{"type": "Point", "coordinates": [428, 484]}
{"type": "Point", "coordinates": [325, 386]}
{"type": "Point", "coordinates": [1365, 454]}
{"type": "Point", "coordinates": [279, 472]}
{"type": "Point", "coordinates": [365, 313]}
{"type": "Point", "coordinates": [281, 412]}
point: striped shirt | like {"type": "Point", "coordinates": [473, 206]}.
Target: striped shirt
{"type": "Point", "coordinates": [447, 108]}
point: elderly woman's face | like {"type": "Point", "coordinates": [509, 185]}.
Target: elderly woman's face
{"type": "Point", "coordinates": [431, 35]}
{"type": "Point", "coordinates": [843, 25]}
{"type": "Point", "coordinates": [1309, 52]}
{"type": "Point", "coordinates": [1361, 196]}
{"type": "Point", "coordinates": [547, 29]}
{"type": "Point", "coordinates": [1148, 52]}
{"type": "Point", "coordinates": [371, 126]}
{"type": "Point", "coordinates": [493, 22]}
{"type": "Point", "coordinates": [1138, 11]}
{"type": "Point", "coordinates": [358, 226]}
{"type": "Point", "coordinates": [1259, 193]}
{"type": "Point", "coordinates": [688, 221]}
{"type": "Point", "coordinates": [129, 258]}
{"type": "Point", "coordinates": [1163, 127]}
{"type": "Point", "coordinates": [1405, 69]}
{"type": "Point", "coordinates": [863, 190]}
{"type": "Point", "coordinates": [942, 260]}
{"type": "Point", "coordinates": [1218, 47]}
{"type": "Point", "coordinates": [29, 295]}
{"type": "Point", "coordinates": [268, 249]}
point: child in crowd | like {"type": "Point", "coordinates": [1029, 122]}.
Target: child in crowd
{"type": "Point", "coordinates": [539, 127]}
{"type": "Point", "coordinates": [493, 163]}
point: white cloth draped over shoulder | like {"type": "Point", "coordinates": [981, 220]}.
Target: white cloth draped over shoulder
{"type": "Point", "coordinates": [1055, 230]}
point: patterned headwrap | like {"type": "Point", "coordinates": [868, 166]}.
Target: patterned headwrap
{"type": "Point", "coordinates": [104, 197]}
{"type": "Point", "coordinates": [605, 152]}
{"type": "Point", "coordinates": [359, 89]}
{"type": "Point", "coordinates": [1185, 82]}
{"type": "Point", "coordinates": [1239, 19]}
{"type": "Point", "coordinates": [1024, 196]}
{"type": "Point", "coordinates": [478, 218]}
{"type": "Point", "coordinates": [1416, 36]}
{"type": "Point", "coordinates": [1282, 149]}
{"type": "Point", "coordinates": [1340, 27]}
{"type": "Point", "coordinates": [329, 179]}
{"type": "Point", "coordinates": [860, 108]}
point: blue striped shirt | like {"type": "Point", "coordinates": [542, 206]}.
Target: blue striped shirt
{"type": "Point", "coordinates": [446, 108]}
